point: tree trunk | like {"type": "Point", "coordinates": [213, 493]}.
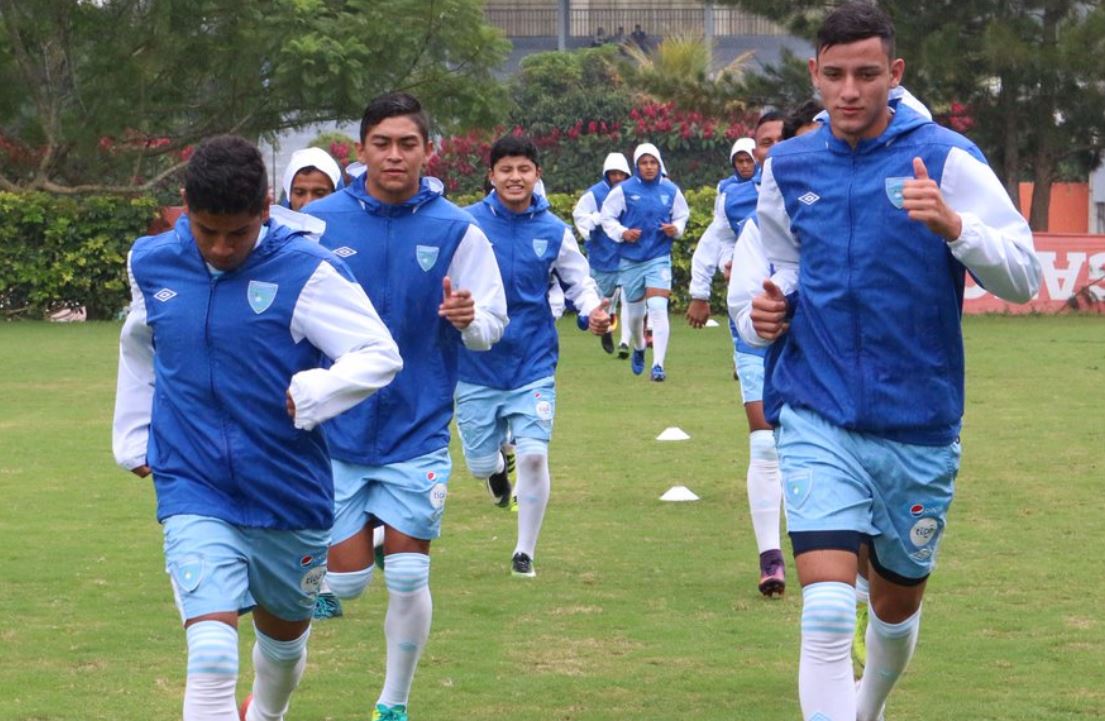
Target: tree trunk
{"type": "Point", "coordinates": [1011, 146]}
{"type": "Point", "coordinates": [1043, 177]}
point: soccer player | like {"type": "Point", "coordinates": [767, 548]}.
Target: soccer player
{"type": "Point", "coordinates": [510, 391]}
{"type": "Point", "coordinates": [219, 396]}
{"type": "Point", "coordinates": [603, 253]}
{"type": "Point", "coordinates": [644, 214]}
{"type": "Point", "coordinates": [432, 275]}
{"type": "Point", "coordinates": [871, 223]}
{"type": "Point", "coordinates": [311, 174]}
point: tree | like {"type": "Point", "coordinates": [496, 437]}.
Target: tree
{"type": "Point", "coordinates": [1023, 79]}
{"type": "Point", "coordinates": [108, 95]}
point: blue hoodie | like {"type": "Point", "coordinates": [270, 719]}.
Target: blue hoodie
{"type": "Point", "coordinates": [875, 343]}
{"type": "Point", "coordinates": [400, 254]}
{"type": "Point", "coordinates": [645, 205]}
{"type": "Point", "coordinates": [220, 442]}
{"type": "Point", "coordinates": [527, 246]}
{"type": "Point", "coordinates": [602, 253]}
{"type": "Point", "coordinates": [741, 195]}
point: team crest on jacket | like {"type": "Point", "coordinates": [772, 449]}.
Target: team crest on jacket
{"type": "Point", "coordinates": [261, 295]}
{"type": "Point", "coordinates": [894, 187]}
{"type": "Point", "coordinates": [540, 245]}
{"type": "Point", "coordinates": [664, 198]}
{"type": "Point", "coordinates": [426, 255]}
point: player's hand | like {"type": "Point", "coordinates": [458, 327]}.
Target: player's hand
{"type": "Point", "coordinates": [769, 312]}
{"type": "Point", "coordinates": [457, 306]}
{"type": "Point", "coordinates": [698, 312]}
{"type": "Point", "coordinates": [598, 320]}
{"type": "Point", "coordinates": [632, 235]}
{"type": "Point", "coordinates": [289, 404]}
{"type": "Point", "coordinates": [141, 471]}
{"type": "Point", "coordinates": [922, 199]}
{"type": "Point", "coordinates": [669, 229]}
{"type": "Point", "coordinates": [727, 270]}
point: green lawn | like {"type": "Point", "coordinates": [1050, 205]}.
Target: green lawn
{"type": "Point", "coordinates": [641, 609]}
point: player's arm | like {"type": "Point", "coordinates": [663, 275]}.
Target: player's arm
{"type": "Point", "coordinates": [478, 307]}
{"type": "Point", "coordinates": [134, 387]}
{"type": "Point", "coordinates": [581, 290]}
{"type": "Point", "coordinates": [746, 278]}
{"type": "Point", "coordinates": [334, 315]}
{"type": "Point", "coordinates": [610, 215]}
{"type": "Point", "coordinates": [995, 242]}
{"type": "Point", "coordinates": [771, 307]}
{"type": "Point", "coordinates": [586, 215]}
{"type": "Point", "coordinates": [680, 213]}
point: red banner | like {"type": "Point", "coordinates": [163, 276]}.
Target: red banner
{"type": "Point", "coordinates": [1073, 278]}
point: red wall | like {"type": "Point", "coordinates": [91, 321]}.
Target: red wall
{"type": "Point", "coordinates": [1069, 210]}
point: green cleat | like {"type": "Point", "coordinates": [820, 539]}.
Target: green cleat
{"type": "Point", "coordinates": [327, 606]}
{"type": "Point", "coordinates": [389, 713]}
{"type": "Point", "coordinates": [859, 642]}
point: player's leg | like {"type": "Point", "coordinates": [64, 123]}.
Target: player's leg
{"type": "Point", "coordinates": [863, 596]}
{"type": "Point", "coordinates": [657, 292]}
{"type": "Point", "coordinates": [209, 576]}
{"type": "Point", "coordinates": [351, 558]}
{"type": "Point", "coordinates": [410, 501]}
{"type": "Point", "coordinates": [765, 491]}
{"type": "Point", "coordinates": [632, 277]}
{"type": "Point", "coordinates": [607, 282]}
{"type": "Point", "coordinates": [914, 490]}
{"type": "Point", "coordinates": [483, 435]}
{"type": "Point", "coordinates": [286, 569]}
{"type": "Point", "coordinates": [828, 497]}
{"type": "Point", "coordinates": [531, 411]}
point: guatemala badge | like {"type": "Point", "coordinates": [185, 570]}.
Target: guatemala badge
{"type": "Point", "coordinates": [426, 256]}
{"type": "Point", "coordinates": [540, 245]}
{"type": "Point", "coordinates": [261, 295]}
{"type": "Point", "coordinates": [894, 191]}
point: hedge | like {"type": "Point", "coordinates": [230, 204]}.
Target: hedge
{"type": "Point", "coordinates": [66, 252]}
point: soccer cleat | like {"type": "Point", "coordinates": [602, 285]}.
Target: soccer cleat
{"type": "Point", "coordinates": [607, 341]}
{"type": "Point", "coordinates": [327, 606]}
{"type": "Point", "coordinates": [522, 565]}
{"type": "Point", "coordinates": [637, 362]}
{"type": "Point", "coordinates": [623, 351]}
{"type": "Point", "coordinates": [859, 641]}
{"type": "Point", "coordinates": [658, 374]}
{"type": "Point", "coordinates": [772, 573]}
{"type": "Point", "coordinates": [498, 487]}
{"type": "Point", "coordinates": [389, 713]}
{"type": "Point", "coordinates": [245, 707]}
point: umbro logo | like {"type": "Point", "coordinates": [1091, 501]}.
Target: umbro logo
{"type": "Point", "coordinates": [344, 252]}
{"type": "Point", "coordinates": [165, 294]}
{"type": "Point", "coordinates": [809, 198]}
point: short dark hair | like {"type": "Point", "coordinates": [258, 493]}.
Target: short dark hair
{"type": "Point", "coordinates": [226, 176]}
{"type": "Point", "coordinates": [799, 117]}
{"type": "Point", "coordinates": [854, 21]}
{"type": "Point", "coordinates": [769, 117]}
{"type": "Point", "coordinates": [393, 105]}
{"type": "Point", "coordinates": [312, 169]}
{"type": "Point", "coordinates": [510, 145]}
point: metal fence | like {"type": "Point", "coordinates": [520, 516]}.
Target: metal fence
{"type": "Point", "coordinates": [655, 21]}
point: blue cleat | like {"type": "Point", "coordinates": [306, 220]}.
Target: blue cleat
{"type": "Point", "coordinates": [392, 713]}
{"type": "Point", "coordinates": [637, 362]}
{"type": "Point", "coordinates": [327, 606]}
{"type": "Point", "coordinates": [658, 374]}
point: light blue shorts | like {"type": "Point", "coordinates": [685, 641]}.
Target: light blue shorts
{"type": "Point", "coordinates": [606, 280]}
{"type": "Point", "coordinates": [635, 277]}
{"type": "Point", "coordinates": [487, 417]}
{"type": "Point", "coordinates": [409, 496]}
{"type": "Point", "coordinates": [216, 567]}
{"type": "Point", "coordinates": [839, 480]}
{"type": "Point", "coordinates": [750, 370]}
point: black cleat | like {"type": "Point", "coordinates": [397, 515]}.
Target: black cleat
{"type": "Point", "coordinates": [623, 351]}
{"type": "Point", "coordinates": [498, 487]}
{"type": "Point", "coordinates": [522, 565]}
{"type": "Point", "coordinates": [608, 342]}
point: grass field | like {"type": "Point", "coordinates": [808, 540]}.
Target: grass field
{"type": "Point", "coordinates": [641, 609]}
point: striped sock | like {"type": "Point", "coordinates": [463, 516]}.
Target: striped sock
{"type": "Point", "coordinates": [889, 649]}
{"type": "Point", "coordinates": [212, 672]}
{"type": "Point", "coordinates": [407, 625]}
{"type": "Point", "coordinates": [825, 686]}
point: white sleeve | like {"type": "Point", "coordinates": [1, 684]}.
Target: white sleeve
{"type": "Point", "coordinates": [779, 244]}
{"type": "Point", "coordinates": [334, 315]}
{"type": "Point", "coordinates": [474, 269]}
{"type": "Point", "coordinates": [746, 281]}
{"type": "Point", "coordinates": [996, 243]}
{"type": "Point", "coordinates": [586, 215]}
{"type": "Point", "coordinates": [134, 387]}
{"type": "Point", "coordinates": [612, 209]}
{"type": "Point", "coordinates": [680, 213]}
{"type": "Point", "coordinates": [574, 270]}
{"type": "Point", "coordinates": [704, 263]}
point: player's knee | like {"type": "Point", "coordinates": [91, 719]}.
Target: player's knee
{"type": "Point", "coordinates": [828, 620]}
{"type": "Point", "coordinates": [283, 653]}
{"type": "Point", "coordinates": [407, 573]}
{"type": "Point", "coordinates": [212, 649]}
{"type": "Point", "coordinates": [484, 466]}
{"type": "Point", "coordinates": [657, 304]}
{"type": "Point", "coordinates": [761, 446]}
{"type": "Point", "coordinates": [350, 584]}
{"type": "Point", "coordinates": [531, 447]}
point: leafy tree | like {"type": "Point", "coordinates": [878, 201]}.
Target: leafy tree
{"type": "Point", "coordinates": [1023, 79]}
{"type": "Point", "coordinates": [108, 95]}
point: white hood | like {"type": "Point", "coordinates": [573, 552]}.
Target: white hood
{"type": "Point", "coordinates": [310, 158]}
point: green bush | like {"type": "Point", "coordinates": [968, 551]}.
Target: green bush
{"type": "Point", "coordinates": [701, 202]}
{"type": "Point", "coordinates": [59, 251]}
